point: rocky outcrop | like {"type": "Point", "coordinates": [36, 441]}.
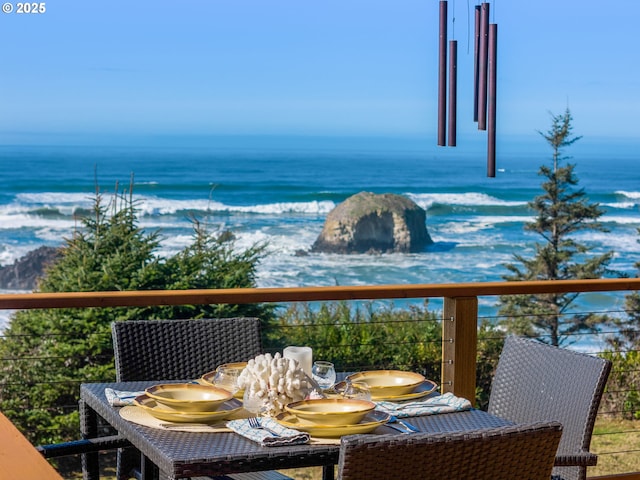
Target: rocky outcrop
{"type": "Point", "coordinates": [23, 274]}
{"type": "Point", "coordinates": [374, 223]}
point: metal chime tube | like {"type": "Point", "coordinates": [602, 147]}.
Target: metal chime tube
{"type": "Point", "coordinates": [476, 56]}
{"type": "Point", "coordinates": [453, 90]}
{"type": "Point", "coordinates": [491, 148]}
{"type": "Point", "coordinates": [442, 75]}
{"type": "Point", "coordinates": [483, 60]}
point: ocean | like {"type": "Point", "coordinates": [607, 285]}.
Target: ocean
{"type": "Point", "coordinates": [280, 189]}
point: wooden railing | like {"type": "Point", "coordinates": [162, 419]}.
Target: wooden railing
{"type": "Point", "coordinates": [459, 322]}
{"type": "Point", "coordinates": [307, 294]}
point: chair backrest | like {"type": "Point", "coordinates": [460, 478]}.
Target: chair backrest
{"type": "Point", "coordinates": [525, 451]}
{"type": "Point", "coordinates": [181, 349]}
{"type": "Point", "coordinates": [539, 382]}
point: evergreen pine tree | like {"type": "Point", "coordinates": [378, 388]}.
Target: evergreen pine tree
{"type": "Point", "coordinates": [629, 329]}
{"type": "Point", "coordinates": [562, 210]}
{"type": "Point", "coordinates": [54, 350]}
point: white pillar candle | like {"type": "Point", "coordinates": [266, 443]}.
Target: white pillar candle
{"type": "Point", "coordinates": [303, 355]}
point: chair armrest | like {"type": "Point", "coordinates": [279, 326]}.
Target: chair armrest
{"type": "Point", "coordinates": [88, 445]}
{"type": "Point", "coordinates": [579, 459]}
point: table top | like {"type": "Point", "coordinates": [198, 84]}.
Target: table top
{"type": "Point", "coordinates": [187, 454]}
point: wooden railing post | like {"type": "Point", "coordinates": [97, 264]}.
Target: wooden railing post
{"type": "Point", "coordinates": [460, 346]}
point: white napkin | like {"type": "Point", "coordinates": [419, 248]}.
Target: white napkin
{"type": "Point", "coordinates": [287, 436]}
{"type": "Point", "coordinates": [120, 398]}
{"type": "Point", "coordinates": [445, 403]}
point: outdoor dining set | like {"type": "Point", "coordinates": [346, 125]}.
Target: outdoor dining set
{"type": "Point", "coordinates": [199, 398]}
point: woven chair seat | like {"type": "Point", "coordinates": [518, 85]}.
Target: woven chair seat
{"type": "Point", "coordinates": [524, 452]}
{"type": "Point", "coordinates": [539, 382]}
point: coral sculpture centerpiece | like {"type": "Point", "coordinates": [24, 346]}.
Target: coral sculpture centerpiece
{"type": "Point", "coordinates": [271, 381]}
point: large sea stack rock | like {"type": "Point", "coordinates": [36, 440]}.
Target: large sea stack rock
{"type": "Point", "coordinates": [374, 223]}
{"type": "Point", "coordinates": [23, 274]}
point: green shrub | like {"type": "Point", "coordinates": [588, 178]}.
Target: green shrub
{"type": "Point", "coordinates": [622, 394]}
{"type": "Point", "coordinates": [47, 353]}
{"type": "Point", "coordinates": [376, 335]}
{"type": "Point", "coordinates": [490, 343]}
{"type": "Point", "coordinates": [367, 335]}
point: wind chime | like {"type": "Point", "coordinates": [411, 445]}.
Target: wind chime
{"type": "Point", "coordinates": [484, 97]}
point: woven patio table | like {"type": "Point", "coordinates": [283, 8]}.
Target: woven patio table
{"type": "Point", "coordinates": [170, 454]}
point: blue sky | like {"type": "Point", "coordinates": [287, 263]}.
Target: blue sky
{"type": "Point", "coordinates": [326, 67]}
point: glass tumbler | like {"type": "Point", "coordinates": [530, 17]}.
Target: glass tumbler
{"type": "Point", "coordinates": [324, 374]}
{"type": "Point", "coordinates": [227, 378]}
{"type": "Point", "coordinates": [254, 404]}
{"type": "Point", "coordinates": [359, 391]}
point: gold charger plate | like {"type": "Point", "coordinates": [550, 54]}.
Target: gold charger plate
{"type": "Point", "coordinates": [135, 414]}
{"type": "Point", "coordinates": [169, 415]}
{"type": "Point", "coordinates": [368, 424]}
{"type": "Point", "coordinates": [425, 388]}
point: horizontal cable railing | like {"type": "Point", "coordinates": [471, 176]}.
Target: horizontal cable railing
{"type": "Point", "coordinates": [613, 405]}
{"type": "Point", "coordinates": [616, 439]}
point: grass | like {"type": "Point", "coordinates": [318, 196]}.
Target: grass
{"type": "Point", "coordinates": [617, 444]}
{"type": "Point", "coordinates": [71, 467]}
{"type": "Point", "coordinates": [313, 473]}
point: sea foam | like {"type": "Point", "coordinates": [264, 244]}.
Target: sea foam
{"type": "Point", "coordinates": [631, 195]}
{"type": "Point", "coordinates": [426, 200]}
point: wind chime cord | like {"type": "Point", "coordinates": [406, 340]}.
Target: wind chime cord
{"type": "Point", "coordinates": [453, 20]}
{"type": "Point", "coordinates": [468, 26]}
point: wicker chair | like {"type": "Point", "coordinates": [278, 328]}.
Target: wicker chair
{"type": "Point", "coordinates": [538, 382]}
{"type": "Point", "coordinates": [525, 452]}
{"type": "Point", "coordinates": [181, 350]}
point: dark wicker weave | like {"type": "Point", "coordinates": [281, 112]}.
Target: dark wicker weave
{"type": "Point", "coordinates": [181, 349]}
{"type": "Point", "coordinates": [523, 452]}
{"type": "Point", "coordinates": [185, 454]}
{"type": "Point", "coordinates": [539, 382]}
